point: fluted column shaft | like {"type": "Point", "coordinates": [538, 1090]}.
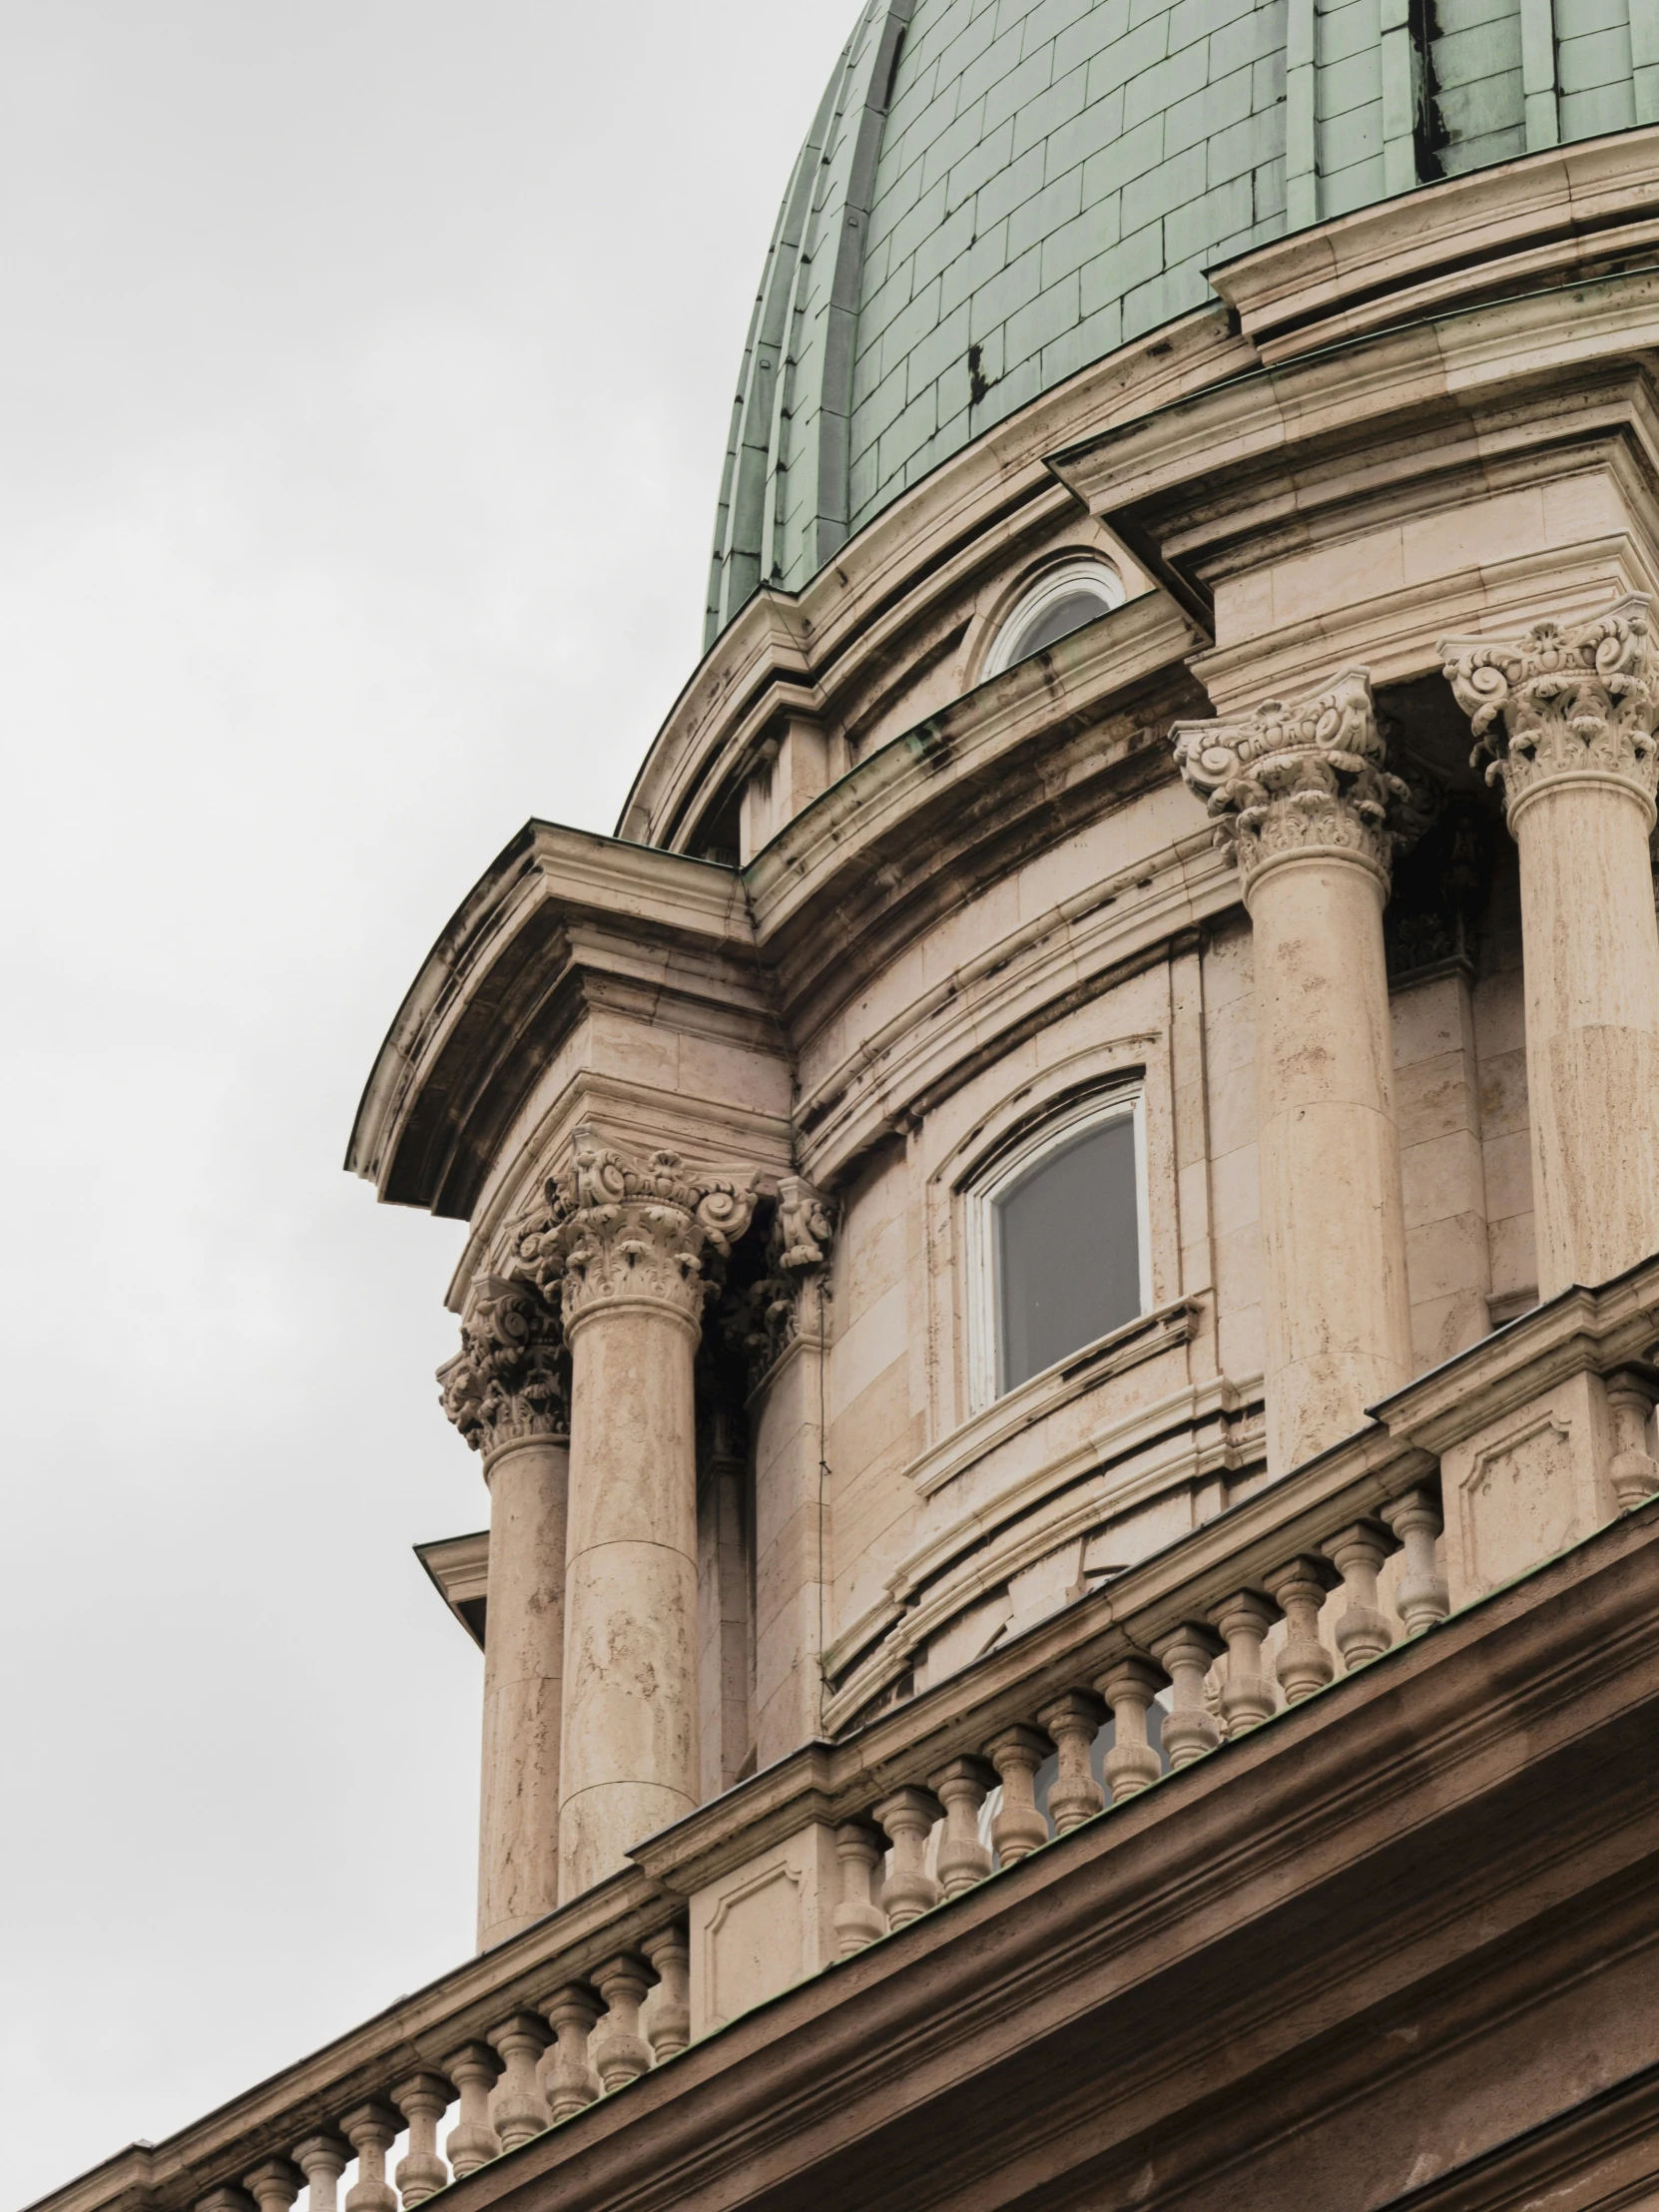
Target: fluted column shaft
{"type": "Point", "coordinates": [634, 1240]}
{"type": "Point", "coordinates": [1302, 793]}
{"type": "Point", "coordinates": [1564, 717]}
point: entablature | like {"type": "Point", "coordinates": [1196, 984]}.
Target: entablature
{"type": "Point", "coordinates": [564, 922]}
{"type": "Point", "coordinates": [909, 577]}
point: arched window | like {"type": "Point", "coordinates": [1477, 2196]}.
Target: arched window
{"type": "Point", "coordinates": [1059, 1238]}
{"type": "Point", "coordinates": [1062, 600]}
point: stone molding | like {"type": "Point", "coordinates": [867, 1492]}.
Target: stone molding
{"type": "Point", "coordinates": [620, 1228]}
{"type": "Point", "coordinates": [1296, 779]}
{"type": "Point", "coordinates": [510, 1380]}
{"type": "Point", "coordinates": [786, 1304]}
{"type": "Point", "coordinates": [1562, 701]}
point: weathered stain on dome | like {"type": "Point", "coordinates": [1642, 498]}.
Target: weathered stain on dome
{"type": "Point", "coordinates": [995, 192]}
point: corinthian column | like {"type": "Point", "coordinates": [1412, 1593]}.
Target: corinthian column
{"type": "Point", "coordinates": [633, 1239]}
{"type": "Point", "coordinates": [1302, 794]}
{"type": "Point", "coordinates": [1564, 720]}
{"type": "Point", "coordinates": [779, 1327]}
{"type": "Point", "coordinates": [506, 1393]}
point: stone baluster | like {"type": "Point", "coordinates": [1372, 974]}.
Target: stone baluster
{"type": "Point", "coordinates": [519, 2110]}
{"type": "Point", "coordinates": [568, 2080]}
{"type": "Point", "coordinates": [670, 1957]}
{"type": "Point", "coordinates": [620, 2051]}
{"type": "Point", "coordinates": [962, 1788]}
{"type": "Point", "coordinates": [1303, 792]}
{"type": "Point", "coordinates": [634, 1240]}
{"type": "Point", "coordinates": [274, 2185]}
{"type": "Point", "coordinates": [1566, 715]}
{"type": "Point", "coordinates": [908, 1817]}
{"type": "Point", "coordinates": [423, 2099]}
{"type": "Point", "coordinates": [1074, 1722]}
{"type": "Point", "coordinates": [859, 1921]}
{"type": "Point", "coordinates": [322, 2158]}
{"type": "Point", "coordinates": [1131, 1765]}
{"type": "Point", "coordinates": [1018, 1829]}
{"type": "Point", "coordinates": [1632, 1471]}
{"type": "Point", "coordinates": [371, 2130]}
{"type": "Point", "coordinates": [1186, 1655]}
{"type": "Point", "coordinates": [1420, 1597]}
{"type": "Point", "coordinates": [508, 1391]}
{"type": "Point", "coordinates": [1363, 1632]}
{"type": "Point", "coordinates": [472, 2142]}
{"type": "Point", "coordinates": [1247, 1697]}
{"type": "Point", "coordinates": [1299, 1590]}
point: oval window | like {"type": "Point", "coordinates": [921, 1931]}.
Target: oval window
{"type": "Point", "coordinates": [1062, 601]}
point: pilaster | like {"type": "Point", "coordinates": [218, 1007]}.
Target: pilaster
{"type": "Point", "coordinates": [1563, 720]}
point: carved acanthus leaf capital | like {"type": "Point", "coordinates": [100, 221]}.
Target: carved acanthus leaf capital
{"type": "Point", "coordinates": [510, 1379]}
{"type": "Point", "coordinates": [1564, 699]}
{"type": "Point", "coordinates": [1298, 777]}
{"type": "Point", "coordinates": [629, 1229]}
{"type": "Point", "coordinates": [764, 1319]}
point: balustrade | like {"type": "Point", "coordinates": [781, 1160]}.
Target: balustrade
{"type": "Point", "coordinates": [936, 1837]}
{"type": "Point", "coordinates": [1209, 1662]}
{"type": "Point", "coordinates": [530, 2070]}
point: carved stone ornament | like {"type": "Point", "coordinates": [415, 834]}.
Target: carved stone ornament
{"type": "Point", "coordinates": [1560, 701]}
{"type": "Point", "coordinates": [510, 1379]}
{"type": "Point", "coordinates": [764, 1319]}
{"type": "Point", "coordinates": [1296, 779]}
{"type": "Point", "coordinates": [629, 1230]}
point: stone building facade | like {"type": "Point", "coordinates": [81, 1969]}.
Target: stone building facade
{"type": "Point", "coordinates": [1061, 1309]}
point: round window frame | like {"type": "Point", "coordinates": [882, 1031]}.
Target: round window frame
{"type": "Point", "coordinates": [1056, 583]}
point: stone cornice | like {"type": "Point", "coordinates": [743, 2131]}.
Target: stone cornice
{"type": "Point", "coordinates": [1384, 418]}
{"type": "Point", "coordinates": [1383, 262]}
{"type": "Point", "coordinates": [955, 2031]}
{"type": "Point", "coordinates": [559, 914]}
{"type": "Point", "coordinates": [860, 617]}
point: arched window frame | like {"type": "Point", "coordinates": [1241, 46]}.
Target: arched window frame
{"type": "Point", "coordinates": [1086, 571]}
{"type": "Point", "coordinates": [1010, 1166]}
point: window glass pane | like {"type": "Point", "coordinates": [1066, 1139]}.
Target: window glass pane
{"type": "Point", "coordinates": [1058, 621]}
{"type": "Point", "coordinates": [1068, 1262]}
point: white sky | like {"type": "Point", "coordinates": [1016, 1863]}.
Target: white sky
{"type": "Point", "coordinates": [363, 389]}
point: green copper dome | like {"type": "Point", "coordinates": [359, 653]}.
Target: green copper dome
{"type": "Point", "coordinates": [994, 192]}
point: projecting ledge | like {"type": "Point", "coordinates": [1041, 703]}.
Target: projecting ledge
{"type": "Point", "coordinates": [563, 922]}
{"type": "Point", "coordinates": [1149, 1950]}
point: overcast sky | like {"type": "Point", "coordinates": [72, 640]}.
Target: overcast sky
{"type": "Point", "coordinates": [365, 375]}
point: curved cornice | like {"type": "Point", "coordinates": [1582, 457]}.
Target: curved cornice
{"type": "Point", "coordinates": [828, 649]}
{"type": "Point", "coordinates": [555, 911]}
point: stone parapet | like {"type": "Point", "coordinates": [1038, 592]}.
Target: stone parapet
{"type": "Point", "coordinates": [1415, 1759]}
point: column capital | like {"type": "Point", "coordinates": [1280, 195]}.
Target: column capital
{"type": "Point", "coordinates": [1296, 779]}
{"type": "Point", "coordinates": [785, 1304]}
{"type": "Point", "coordinates": [1564, 699]}
{"type": "Point", "coordinates": [628, 1229]}
{"type": "Point", "coordinates": [510, 1379]}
